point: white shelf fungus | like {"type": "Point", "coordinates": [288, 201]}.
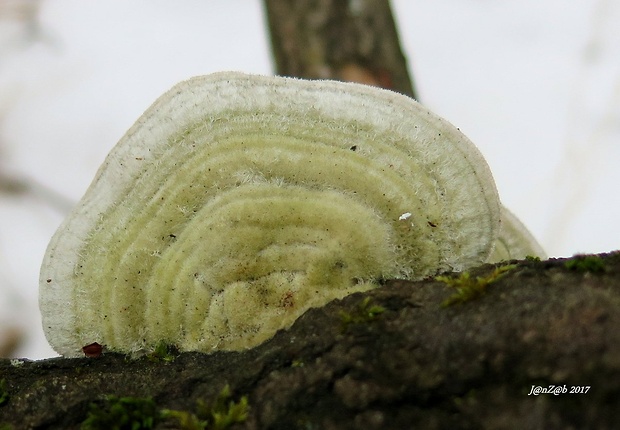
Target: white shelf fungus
{"type": "Point", "coordinates": [237, 202]}
{"type": "Point", "coordinates": [514, 240]}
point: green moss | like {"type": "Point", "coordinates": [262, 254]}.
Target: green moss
{"type": "Point", "coordinates": [586, 263]}
{"type": "Point", "coordinates": [6, 427]}
{"type": "Point", "coordinates": [297, 363]}
{"type": "Point", "coordinates": [120, 413]}
{"type": "Point", "coordinates": [4, 392]}
{"type": "Point", "coordinates": [219, 415]}
{"type": "Point", "coordinates": [224, 411]}
{"type": "Point", "coordinates": [363, 312]}
{"type": "Point", "coordinates": [185, 420]}
{"type": "Point", "coordinates": [532, 258]}
{"type": "Point", "coordinates": [468, 288]}
{"type": "Point", "coordinates": [163, 352]}
{"type": "Point", "coordinates": [131, 413]}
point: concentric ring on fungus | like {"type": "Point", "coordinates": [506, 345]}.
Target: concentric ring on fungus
{"type": "Point", "coordinates": [237, 202]}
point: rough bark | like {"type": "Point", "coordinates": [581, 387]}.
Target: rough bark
{"type": "Point", "coordinates": [353, 41]}
{"type": "Point", "coordinates": [414, 365]}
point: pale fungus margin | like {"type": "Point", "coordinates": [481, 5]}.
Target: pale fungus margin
{"type": "Point", "coordinates": [514, 242]}
{"type": "Point", "coordinates": [237, 202]}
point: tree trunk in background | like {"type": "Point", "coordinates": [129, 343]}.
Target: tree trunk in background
{"type": "Point", "coordinates": [352, 40]}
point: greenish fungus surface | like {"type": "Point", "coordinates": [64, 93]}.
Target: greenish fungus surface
{"type": "Point", "coordinates": [237, 202]}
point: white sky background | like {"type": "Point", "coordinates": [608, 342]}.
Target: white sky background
{"type": "Point", "coordinates": [536, 85]}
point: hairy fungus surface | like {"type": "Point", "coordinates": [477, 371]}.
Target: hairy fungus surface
{"type": "Point", "coordinates": [236, 202]}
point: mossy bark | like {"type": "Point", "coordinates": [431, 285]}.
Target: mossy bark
{"type": "Point", "coordinates": [411, 364]}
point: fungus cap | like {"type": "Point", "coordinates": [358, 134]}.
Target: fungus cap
{"type": "Point", "coordinates": [236, 202]}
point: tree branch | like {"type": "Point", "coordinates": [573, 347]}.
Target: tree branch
{"type": "Point", "coordinates": [343, 40]}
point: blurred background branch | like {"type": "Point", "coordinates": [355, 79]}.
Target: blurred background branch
{"type": "Point", "coordinates": [353, 41]}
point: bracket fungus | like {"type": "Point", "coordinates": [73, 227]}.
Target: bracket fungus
{"type": "Point", "coordinates": [237, 202]}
